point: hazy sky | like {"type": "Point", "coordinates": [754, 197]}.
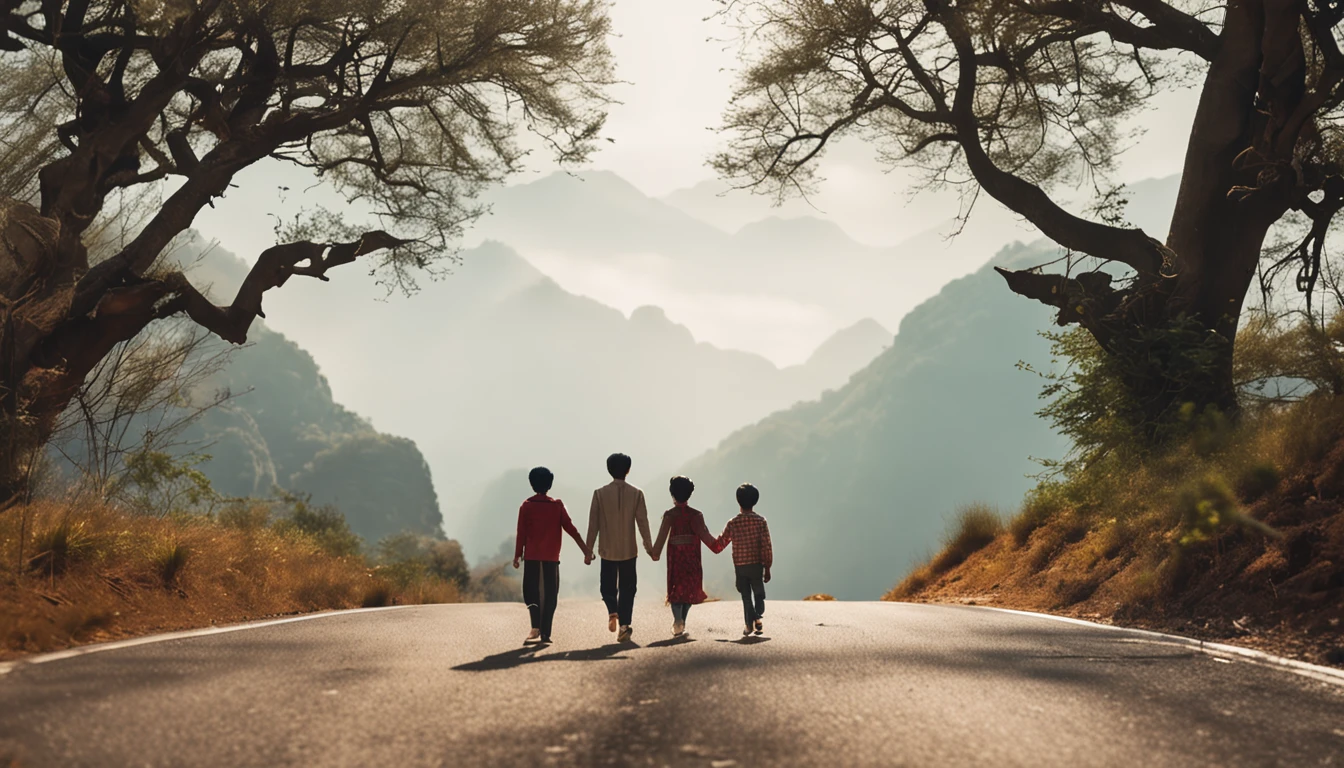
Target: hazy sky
{"type": "Point", "coordinates": [678, 64]}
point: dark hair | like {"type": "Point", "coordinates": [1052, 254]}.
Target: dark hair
{"type": "Point", "coordinates": [747, 496]}
{"type": "Point", "coordinates": [618, 465]}
{"type": "Point", "coordinates": [681, 488]}
{"type": "Point", "coordinates": [541, 479]}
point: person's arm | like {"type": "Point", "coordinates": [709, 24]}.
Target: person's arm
{"type": "Point", "coordinates": [642, 518]}
{"type": "Point", "coordinates": [573, 532]}
{"type": "Point", "coordinates": [593, 511]}
{"type": "Point", "coordinates": [767, 550]}
{"type": "Point", "coordinates": [662, 538]}
{"type": "Point", "coordinates": [727, 537]}
{"type": "Point", "coordinates": [705, 535]}
{"type": "Point", "coordinates": [518, 542]}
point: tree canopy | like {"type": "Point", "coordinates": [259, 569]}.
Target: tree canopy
{"type": "Point", "coordinates": [1016, 96]}
{"type": "Point", "coordinates": [407, 108]}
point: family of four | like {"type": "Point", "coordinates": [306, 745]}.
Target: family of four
{"type": "Point", "coordinates": [617, 509]}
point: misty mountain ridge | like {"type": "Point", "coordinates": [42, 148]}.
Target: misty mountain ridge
{"type": "Point", "coordinates": [860, 483]}
{"type": "Point", "coordinates": [498, 367]}
{"type": "Point", "coordinates": [598, 235]}
{"type": "Point", "coordinates": [943, 418]}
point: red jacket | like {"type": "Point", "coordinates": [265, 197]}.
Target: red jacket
{"type": "Point", "coordinates": [539, 522]}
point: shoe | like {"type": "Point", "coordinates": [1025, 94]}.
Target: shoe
{"type": "Point", "coordinates": [748, 630]}
{"type": "Point", "coordinates": [760, 627]}
{"type": "Point", "coordinates": [612, 622]}
{"type": "Point", "coordinates": [678, 629]}
{"type": "Point", "coordinates": [624, 635]}
{"type": "Point", "coordinates": [544, 641]}
{"type": "Point", "coordinates": [533, 636]}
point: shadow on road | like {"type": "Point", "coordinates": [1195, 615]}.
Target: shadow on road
{"type": "Point", "coordinates": [745, 641]}
{"type": "Point", "coordinates": [671, 641]}
{"type": "Point", "coordinates": [528, 655]}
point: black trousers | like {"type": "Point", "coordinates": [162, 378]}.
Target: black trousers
{"type": "Point", "coordinates": [751, 585]}
{"type": "Point", "coordinates": [541, 587]}
{"type": "Point", "coordinates": [619, 580]}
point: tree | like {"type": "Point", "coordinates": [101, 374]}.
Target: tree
{"type": "Point", "coordinates": [1016, 96]}
{"type": "Point", "coordinates": [138, 400]}
{"type": "Point", "coordinates": [408, 108]}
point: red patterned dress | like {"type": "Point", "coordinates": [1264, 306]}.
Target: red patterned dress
{"type": "Point", "coordinates": [684, 529]}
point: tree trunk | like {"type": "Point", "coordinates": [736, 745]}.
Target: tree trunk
{"type": "Point", "coordinates": [45, 352]}
{"type": "Point", "coordinates": [1173, 333]}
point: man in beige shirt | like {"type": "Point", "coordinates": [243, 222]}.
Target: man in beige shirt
{"type": "Point", "coordinates": [617, 508]}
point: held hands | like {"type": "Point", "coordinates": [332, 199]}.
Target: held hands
{"type": "Point", "coordinates": [588, 557]}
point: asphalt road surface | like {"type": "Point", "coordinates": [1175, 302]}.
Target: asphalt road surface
{"type": "Point", "coordinates": [828, 684]}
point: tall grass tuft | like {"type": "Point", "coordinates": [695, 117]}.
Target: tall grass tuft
{"type": "Point", "coordinates": [168, 560]}
{"type": "Point", "coordinates": [58, 547]}
{"type": "Point", "coordinates": [974, 528]}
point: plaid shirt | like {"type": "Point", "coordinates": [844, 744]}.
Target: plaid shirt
{"type": "Point", "coordinates": [750, 537]}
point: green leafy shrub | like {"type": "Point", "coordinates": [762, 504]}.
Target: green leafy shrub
{"type": "Point", "coordinates": [160, 484]}
{"type": "Point", "coordinates": [413, 560]}
{"type": "Point", "coordinates": [1206, 507]}
{"type": "Point", "coordinates": [324, 525]}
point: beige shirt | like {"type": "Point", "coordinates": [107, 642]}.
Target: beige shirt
{"type": "Point", "coordinates": [616, 508]}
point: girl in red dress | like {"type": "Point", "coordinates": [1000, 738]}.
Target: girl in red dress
{"type": "Point", "coordinates": [683, 530]}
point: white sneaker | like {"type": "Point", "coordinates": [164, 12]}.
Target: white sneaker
{"type": "Point", "coordinates": [533, 636]}
{"type": "Point", "coordinates": [624, 635]}
{"type": "Point", "coordinates": [678, 629]}
{"type": "Point", "coordinates": [612, 622]}
{"type": "Point", "coordinates": [748, 630]}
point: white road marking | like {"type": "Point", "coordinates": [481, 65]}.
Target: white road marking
{"type": "Point", "coordinates": [1219, 651]}
{"type": "Point", "coordinates": [186, 633]}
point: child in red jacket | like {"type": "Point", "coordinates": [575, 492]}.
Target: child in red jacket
{"type": "Point", "coordinates": [540, 520]}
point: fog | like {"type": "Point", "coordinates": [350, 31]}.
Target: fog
{"type": "Point", "coordinates": [636, 303]}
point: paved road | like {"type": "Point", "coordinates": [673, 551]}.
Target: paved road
{"type": "Point", "coordinates": [829, 684]}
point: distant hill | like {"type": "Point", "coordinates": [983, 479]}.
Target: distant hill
{"type": "Point", "coordinates": [283, 429]}
{"type": "Point", "coordinates": [859, 484]}
{"type": "Point", "coordinates": [597, 235]}
{"type": "Point", "coordinates": [734, 269]}
{"type": "Point", "coordinates": [496, 368]}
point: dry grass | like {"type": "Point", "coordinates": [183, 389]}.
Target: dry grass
{"type": "Point", "coordinates": [820, 597]}
{"type": "Point", "coordinates": [1208, 542]}
{"type": "Point", "coordinates": [976, 526]}
{"type": "Point", "coordinates": [95, 573]}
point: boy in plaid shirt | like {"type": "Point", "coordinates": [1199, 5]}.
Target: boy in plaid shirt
{"type": "Point", "coordinates": [752, 556]}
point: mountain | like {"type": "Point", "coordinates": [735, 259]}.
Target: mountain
{"type": "Point", "coordinates": [716, 203]}
{"type": "Point", "coordinates": [778, 286]}
{"type": "Point", "coordinates": [741, 274]}
{"type": "Point", "coordinates": [859, 484]}
{"type": "Point", "coordinates": [283, 429]}
{"type": "Point", "coordinates": [496, 368]}
{"type": "Point", "coordinates": [278, 427]}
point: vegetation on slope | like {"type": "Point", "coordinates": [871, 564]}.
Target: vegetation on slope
{"type": "Point", "coordinates": [73, 573]}
{"type": "Point", "coordinates": [1229, 530]}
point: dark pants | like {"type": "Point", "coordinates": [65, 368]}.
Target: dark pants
{"type": "Point", "coordinates": [541, 587]}
{"type": "Point", "coordinates": [679, 611]}
{"type": "Point", "coordinates": [619, 580]}
{"type": "Point", "coordinates": [751, 584]}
